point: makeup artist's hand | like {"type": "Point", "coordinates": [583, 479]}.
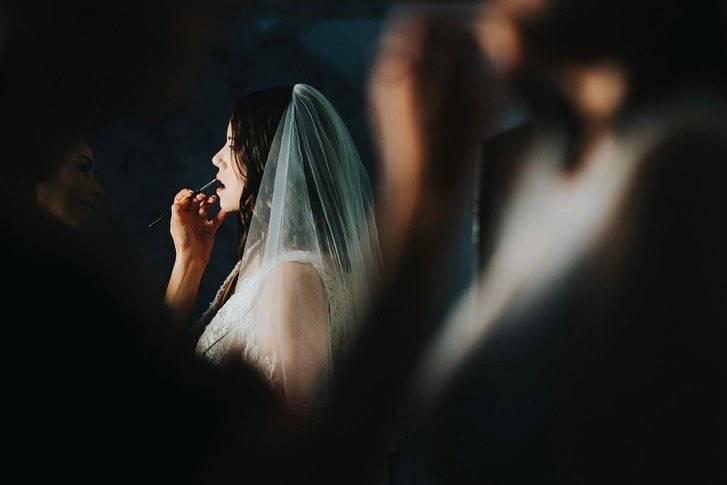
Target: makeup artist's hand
{"type": "Point", "coordinates": [192, 232]}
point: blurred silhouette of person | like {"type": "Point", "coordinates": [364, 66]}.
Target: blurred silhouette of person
{"type": "Point", "coordinates": [98, 393]}
{"type": "Point", "coordinates": [592, 346]}
{"type": "Point", "coordinates": [72, 192]}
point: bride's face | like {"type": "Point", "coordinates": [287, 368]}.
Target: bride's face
{"type": "Point", "coordinates": [228, 174]}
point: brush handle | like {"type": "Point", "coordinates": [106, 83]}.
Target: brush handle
{"type": "Point", "coordinates": [166, 214]}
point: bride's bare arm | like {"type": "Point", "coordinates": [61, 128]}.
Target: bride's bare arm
{"type": "Point", "coordinates": [193, 237]}
{"type": "Point", "coordinates": [183, 287]}
{"type": "Point", "coordinates": [293, 310]}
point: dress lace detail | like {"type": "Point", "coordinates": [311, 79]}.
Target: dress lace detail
{"type": "Point", "coordinates": [230, 327]}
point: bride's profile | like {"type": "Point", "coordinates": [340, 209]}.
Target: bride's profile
{"type": "Point", "coordinates": [308, 248]}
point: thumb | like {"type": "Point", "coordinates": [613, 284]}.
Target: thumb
{"type": "Point", "coordinates": [217, 220]}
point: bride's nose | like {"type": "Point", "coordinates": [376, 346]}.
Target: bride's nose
{"type": "Point", "coordinates": [217, 160]}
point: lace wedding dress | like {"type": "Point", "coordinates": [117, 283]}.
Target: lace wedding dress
{"type": "Point", "coordinates": [233, 327]}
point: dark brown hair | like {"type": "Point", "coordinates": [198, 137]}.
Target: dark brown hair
{"type": "Point", "coordinates": [254, 121]}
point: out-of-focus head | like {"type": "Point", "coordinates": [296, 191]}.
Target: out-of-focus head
{"type": "Point", "coordinates": [629, 51]}
{"type": "Point", "coordinates": [595, 91]}
{"type": "Point", "coordinates": [71, 191]}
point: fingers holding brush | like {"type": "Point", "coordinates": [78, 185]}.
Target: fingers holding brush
{"type": "Point", "coordinates": [195, 202]}
{"type": "Point", "coordinates": [193, 234]}
{"type": "Point", "coordinates": [182, 199]}
{"type": "Point", "coordinates": [205, 204]}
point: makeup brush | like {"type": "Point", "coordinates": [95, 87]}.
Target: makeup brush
{"type": "Point", "coordinates": [201, 189]}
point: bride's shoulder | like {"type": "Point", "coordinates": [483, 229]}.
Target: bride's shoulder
{"type": "Point", "coordinates": [297, 256]}
{"type": "Point", "coordinates": [294, 269]}
{"type": "Point", "coordinates": [295, 273]}
{"type": "Point", "coordinates": [298, 264]}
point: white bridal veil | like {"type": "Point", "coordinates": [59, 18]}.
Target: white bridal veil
{"type": "Point", "coordinates": [312, 245]}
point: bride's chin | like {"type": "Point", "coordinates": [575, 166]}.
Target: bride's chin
{"type": "Point", "coordinates": [229, 208]}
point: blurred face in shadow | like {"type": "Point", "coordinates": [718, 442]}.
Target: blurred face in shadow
{"type": "Point", "coordinates": [597, 90]}
{"type": "Point", "coordinates": [596, 87]}
{"type": "Point", "coordinates": [73, 193]}
{"type": "Point", "coordinates": [232, 182]}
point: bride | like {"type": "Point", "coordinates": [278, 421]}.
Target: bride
{"type": "Point", "coordinates": [309, 246]}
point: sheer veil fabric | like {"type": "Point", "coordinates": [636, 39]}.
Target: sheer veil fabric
{"type": "Point", "coordinates": [310, 260]}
